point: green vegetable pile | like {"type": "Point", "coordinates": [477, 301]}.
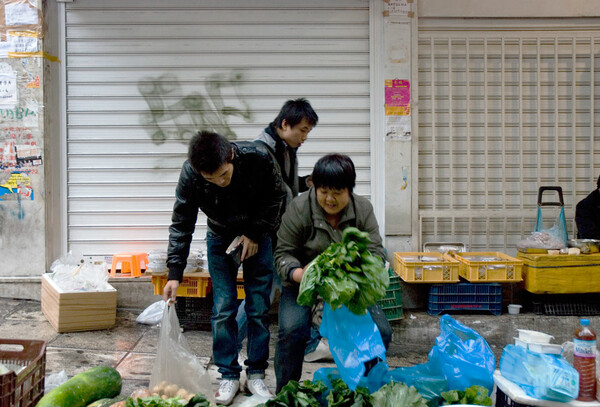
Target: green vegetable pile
{"type": "Point", "coordinates": [398, 395]}
{"type": "Point", "coordinates": [155, 401]}
{"type": "Point", "coordinates": [472, 395]}
{"type": "Point", "coordinates": [294, 394]}
{"type": "Point", "coordinates": [346, 273]}
{"type": "Point", "coordinates": [341, 396]}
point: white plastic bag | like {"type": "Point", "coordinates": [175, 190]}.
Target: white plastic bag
{"type": "Point", "coordinates": [175, 363]}
{"type": "Point", "coordinates": [55, 380]}
{"type": "Point", "coordinates": [152, 314]}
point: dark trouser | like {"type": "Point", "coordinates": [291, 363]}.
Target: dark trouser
{"type": "Point", "coordinates": [294, 333]}
{"type": "Point", "coordinates": [258, 277]}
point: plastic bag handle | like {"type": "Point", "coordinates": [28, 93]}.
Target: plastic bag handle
{"type": "Point", "coordinates": [560, 196]}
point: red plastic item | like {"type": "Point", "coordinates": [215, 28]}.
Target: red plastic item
{"type": "Point", "coordinates": [26, 387]}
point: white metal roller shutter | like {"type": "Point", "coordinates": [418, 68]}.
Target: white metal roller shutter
{"type": "Point", "coordinates": [143, 76]}
{"type": "Point", "coordinates": [506, 106]}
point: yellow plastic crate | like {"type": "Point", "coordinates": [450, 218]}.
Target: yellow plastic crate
{"type": "Point", "coordinates": [489, 267]}
{"type": "Point", "coordinates": [561, 274]}
{"type": "Point", "coordinates": [196, 284]}
{"type": "Point", "coordinates": [426, 267]}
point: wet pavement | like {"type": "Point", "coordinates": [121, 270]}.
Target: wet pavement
{"type": "Point", "coordinates": [130, 347]}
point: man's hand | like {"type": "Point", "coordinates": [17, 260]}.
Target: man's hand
{"type": "Point", "coordinates": [250, 247]}
{"type": "Point", "coordinates": [170, 290]}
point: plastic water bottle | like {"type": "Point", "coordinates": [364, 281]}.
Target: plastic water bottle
{"type": "Point", "coordinates": [584, 360]}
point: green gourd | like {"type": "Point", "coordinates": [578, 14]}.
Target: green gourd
{"type": "Point", "coordinates": [84, 388]}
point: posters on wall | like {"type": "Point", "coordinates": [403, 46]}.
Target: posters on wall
{"type": "Point", "coordinates": [397, 109]}
{"type": "Point", "coordinates": [21, 139]}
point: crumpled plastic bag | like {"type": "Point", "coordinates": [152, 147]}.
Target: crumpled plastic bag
{"type": "Point", "coordinates": [152, 314]}
{"type": "Point", "coordinates": [74, 273]}
{"type": "Point", "coordinates": [55, 380]}
{"type": "Point", "coordinates": [541, 240]}
{"type": "Point", "coordinates": [542, 376]}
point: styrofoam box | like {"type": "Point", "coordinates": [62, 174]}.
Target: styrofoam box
{"type": "Point", "coordinates": [537, 347]}
{"type": "Point", "coordinates": [534, 336]}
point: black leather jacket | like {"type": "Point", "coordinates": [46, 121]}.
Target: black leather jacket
{"type": "Point", "coordinates": [587, 216]}
{"type": "Point", "coordinates": [249, 205]}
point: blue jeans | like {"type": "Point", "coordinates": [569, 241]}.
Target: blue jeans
{"type": "Point", "coordinates": [258, 277]}
{"type": "Point", "coordinates": [242, 320]}
{"type": "Point", "coordinates": [294, 334]}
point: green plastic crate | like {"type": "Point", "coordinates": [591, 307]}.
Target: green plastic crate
{"type": "Point", "coordinates": [391, 305]}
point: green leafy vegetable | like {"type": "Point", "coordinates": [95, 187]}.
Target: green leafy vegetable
{"type": "Point", "coordinates": [342, 396]}
{"type": "Point", "coordinates": [398, 395]}
{"type": "Point", "coordinates": [295, 394]}
{"type": "Point", "coordinates": [346, 273]}
{"type": "Point", "coordinates": [472, 395]}
{"type": "Point", "coordinates": [199, 400]}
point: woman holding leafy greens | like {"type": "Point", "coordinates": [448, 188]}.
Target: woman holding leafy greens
{"type": "Point", "coordinates": [311, 223]}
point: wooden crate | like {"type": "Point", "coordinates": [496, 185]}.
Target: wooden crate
{"type": "Point", "coordinates": [489, 267]}
{"type": "Point", "coordinates": [561, 274]}
{"type": "Point", "coordinates": [77, 311]}
{"type": "Point", "coordinates": [426, 267]}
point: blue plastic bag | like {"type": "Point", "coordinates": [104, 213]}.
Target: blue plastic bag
{"type": "Point", "coordinates": [462, 356]}
{"type": "Point", "coordinates": [542, 376]}
{"type": "Point", "coordinates": [353, 340]}
{"type": "Point", "coordinates": [428, 382]}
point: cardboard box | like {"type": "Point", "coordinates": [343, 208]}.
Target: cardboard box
{"type": "Point", "coordinates": [77, 311]}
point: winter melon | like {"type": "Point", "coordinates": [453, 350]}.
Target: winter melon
{"type": "Point", "coordinates": [84, 388]}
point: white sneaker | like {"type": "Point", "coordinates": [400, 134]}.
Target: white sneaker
{"type": "Point", "coordinates": [259, 388]}
{"type": "Point", "coordinates": [320, 353]}
{"type": "Point", "coordinates": [227, 391]}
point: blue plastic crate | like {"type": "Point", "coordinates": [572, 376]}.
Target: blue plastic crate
{"type": "Point", "coordinates": [465, 297]}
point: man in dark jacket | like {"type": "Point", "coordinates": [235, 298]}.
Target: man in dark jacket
{"type": "Point", "coordinates": [281, 140]}
{"type": "Point", "coordinates": [241, 192]}
{"type": "Point", "coordinates": [587, 215]}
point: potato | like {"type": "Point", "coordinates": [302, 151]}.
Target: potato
{"type": "Point", "coordinates": [157, 389]}
{"type": "Point", "coordinates": [171, 390]}
{"type": "Point", "coordinates": [140, 393]}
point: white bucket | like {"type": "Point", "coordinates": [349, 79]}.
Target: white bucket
{"type": "Point", "coordinates": [514, 309]}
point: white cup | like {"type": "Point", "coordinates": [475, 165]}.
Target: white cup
{"type": "Point", "coordinates": [514, 309]}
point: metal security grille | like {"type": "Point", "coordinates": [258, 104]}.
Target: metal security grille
{"type": "Point", "coordinates": [502, 112]}
{"type": "Point", "coordinates": [142, 77]}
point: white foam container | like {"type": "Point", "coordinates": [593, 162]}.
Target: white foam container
{"type": "Point", "coordinates": [534, 336]}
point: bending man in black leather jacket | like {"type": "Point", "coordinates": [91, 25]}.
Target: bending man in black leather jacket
{"type": "Point", "coordinates": [240, 191]}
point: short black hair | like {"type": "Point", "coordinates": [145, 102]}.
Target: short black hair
{"type": "Point", "coordinates": [293, 111]}
{"type": "Point", "coordinates": [598, 183]}
{"type": "Point", "coordinates": [334, 171]}
{"type": "Point", "coordinates": [208, 151]}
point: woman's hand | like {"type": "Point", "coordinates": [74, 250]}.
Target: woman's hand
{"type": "Point", "coordinates": [250, 247]}
{"type": "Point", "coordinates": [297, 274]}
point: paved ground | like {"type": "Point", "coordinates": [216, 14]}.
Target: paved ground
{"type": "Point", "coordinates": [129, 346]}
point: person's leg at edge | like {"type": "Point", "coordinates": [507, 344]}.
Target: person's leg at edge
{"type": "Point", "coordinates": [224, 328]}
{"type": "Point", "coordinates": [258, 278]}
{"type": "Point", "coordinates": [294, 331]}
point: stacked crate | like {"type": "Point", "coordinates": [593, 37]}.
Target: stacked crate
{"type": "Point", "coordinates": [482, 272]}
{"type": "Point", "coordinates": [194, 297]}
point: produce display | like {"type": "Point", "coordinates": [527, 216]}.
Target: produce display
{"type": "Point", "coordinates": [84, 388]}
{"type": "Point", "coordinates": [472, 395]}
{"type": "Point", "coordinates": [346, 273]}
